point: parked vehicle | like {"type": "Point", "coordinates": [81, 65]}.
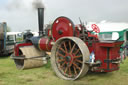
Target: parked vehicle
{"type": "Point", "coordinates": [7, 40]}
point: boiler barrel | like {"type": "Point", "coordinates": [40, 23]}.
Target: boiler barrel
{"type": "Point", "coordinates": [43, 43]}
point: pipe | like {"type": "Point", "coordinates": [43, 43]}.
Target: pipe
{"type": "Point", "coordinates": [41, 20]}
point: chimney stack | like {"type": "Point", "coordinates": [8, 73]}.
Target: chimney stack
{"type": "Point", "coordinates": [41, 21]}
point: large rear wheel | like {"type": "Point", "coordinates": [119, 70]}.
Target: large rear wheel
{"type": "Point", "coordinates": [68, 58]}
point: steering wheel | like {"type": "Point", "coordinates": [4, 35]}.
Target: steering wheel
{"type": "Point", "coordinates": [95, 28]}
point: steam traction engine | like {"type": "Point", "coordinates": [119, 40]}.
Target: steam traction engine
{"type": "Point", "coordinates": [74, 50]}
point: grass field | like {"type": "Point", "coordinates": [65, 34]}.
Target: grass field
{"type": "Point", "coordinates": [9, 75]}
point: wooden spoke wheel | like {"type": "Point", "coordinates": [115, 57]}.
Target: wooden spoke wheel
{"type": "Point", "coordinates": [68, 58]}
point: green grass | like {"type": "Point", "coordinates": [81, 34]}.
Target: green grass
{"type": "Point", "coordinates": [9, 75]}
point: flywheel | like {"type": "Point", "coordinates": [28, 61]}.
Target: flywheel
{"type": "Point", "coordinates": [68, 57]}
{"type": "Point", "coordinates": [61, 27]}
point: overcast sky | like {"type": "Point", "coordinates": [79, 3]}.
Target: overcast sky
{"type": "Point", "coordinates": [108, 14]}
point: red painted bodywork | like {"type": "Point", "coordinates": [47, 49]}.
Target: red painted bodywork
{"type": "Point", "coordinates": [102, 53]}
{"type": "Point", "coordinates": [17, 46]}
{"type": "Point", "coordinates": [91, 35]}
{"type": "Point", "coordinates": [45, 44]}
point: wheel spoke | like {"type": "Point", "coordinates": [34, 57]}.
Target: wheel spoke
{"type": "Point", "coordinates": [76, 51]}
{"type": "Point", "coordinates": [65, 47]}
{"type": "Point", "coordinates": [78, 61]}
{"type": "Point", "coordinates": [78, 56]}
{"type": "Point", "coordinates": [75, 69]}
{"type": "Point", "coordinates": [61, 60]}
{"type": "Point", "coordinates": [63, 65]}
{"type": "Point", "coordinates": [70, 45]}
{"type": "Point", "coordinates": [62, 50]}
{"type": "Point", "coordinates": [66, 69]}
{"type": "Point", "coordinates": [60, 54]}
{"type": "Point", "coordinates": [76, 66]}
{"type": "Point", "coordinates": [70, 71]}
{"type": "Point", "coordinates": [72, 48]}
